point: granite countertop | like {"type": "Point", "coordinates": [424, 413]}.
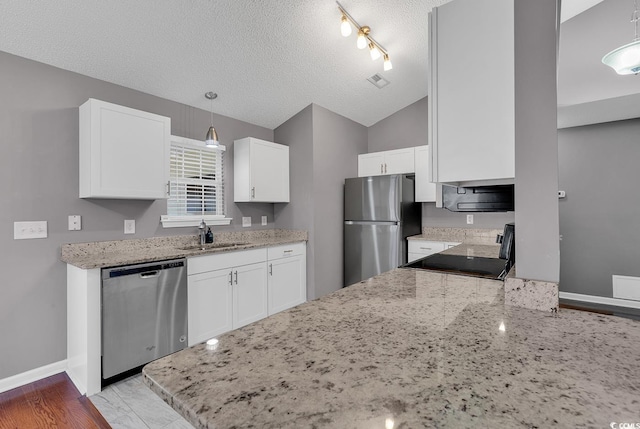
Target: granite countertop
{"type": "Point", "coordinates": [102, 254]}
{"type": "Point", "coordinates": [407, 349]}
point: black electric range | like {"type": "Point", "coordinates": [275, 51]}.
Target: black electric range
{"type": "Point", "coordinates": [488, 268]}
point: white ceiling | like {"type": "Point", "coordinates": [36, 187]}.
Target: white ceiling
{"type": "Point", "coordinates": [268, 59]}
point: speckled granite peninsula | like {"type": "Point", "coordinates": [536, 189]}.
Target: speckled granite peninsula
{"type": "Point", "coordinates": [410, 349]}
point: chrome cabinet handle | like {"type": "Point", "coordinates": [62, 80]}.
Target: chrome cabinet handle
{"type": "Point", "coordinates": [381, 171]}
{"type": "Point", "coordinates": [426, 248]}
{"type": "Point", "coordinates": [270, 269]}
{"type": "Point", "coordinates": [231, 277]}
{"type": "Point", "coordinates": [385, 167]}
{"type": "Point", "coordinates": [236, 273]}
{"type": "Point", "coordinates": [253, 192]}
{"type": "Point", "coordinates": [169, 187]}
{"type": "Point", "coordinates": [288, 251]}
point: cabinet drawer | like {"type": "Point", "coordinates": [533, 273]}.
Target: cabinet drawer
{"type": "Point", "coordinates": [202, 264]}
{"type": "Point", "coordinates": [426, 247]}
{"type": "Point", "coordinates": [285, 251]}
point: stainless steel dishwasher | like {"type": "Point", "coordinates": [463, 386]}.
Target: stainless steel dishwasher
{"type": "Point", "coordinates": [144, 314]}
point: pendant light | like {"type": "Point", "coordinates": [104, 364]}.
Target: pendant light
{"type": "Point", "coordinates": [626, 59]}
{"type": "Point", "coordinates": [211, 140]}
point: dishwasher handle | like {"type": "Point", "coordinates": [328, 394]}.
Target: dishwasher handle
{"type": "Point", "coordinates": [149, 274]}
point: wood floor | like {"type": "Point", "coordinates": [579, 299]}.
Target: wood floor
{"type": "Point", "coordinates": [53, 402]}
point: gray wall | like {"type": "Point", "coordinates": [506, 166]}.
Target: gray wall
{"type": "Point", "coordinates": [39, 181]}
{"type": "Point", "coordinates": [405, 128]}
{"type": "Point", "coordinates": [297, 133]}
{"type": "Point", "coordinates": [536, 198]}
{"type": "Point", "coordinates": [433, 216]}
{"type": "Point", "coordinates": [323, 147]}
{"type": "Point", "coordinates": [598, 218]}
{"type": "Point", "coordinates": [408, 128]}
{"type": "Point", "coordinates": [337, 142]}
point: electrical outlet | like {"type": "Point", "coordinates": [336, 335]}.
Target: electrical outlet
{"type": "Point", "coordinates": [264, 220]}
{"type": "Point", "coordinates": [246, 221]}
{"type": "Point", "coordinates": [469, 219]}
{"type": "Point", "coordinates": [29, 230]}
{"type": "Point", "coordinates": [130, 226]}
{"type": "Point", "coordinates": [75, 222]}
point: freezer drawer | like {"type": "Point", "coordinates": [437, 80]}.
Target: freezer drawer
{"type": "Point", "coordinates": [371, 249]}
{"type": "Point", "coordinates": [144, 314]}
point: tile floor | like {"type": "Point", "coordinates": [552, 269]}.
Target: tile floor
{"type": "Point", "coordinates": [129, 404]}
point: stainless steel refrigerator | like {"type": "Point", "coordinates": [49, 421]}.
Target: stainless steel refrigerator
{"type": "Point", "coordinates": [380, 212]}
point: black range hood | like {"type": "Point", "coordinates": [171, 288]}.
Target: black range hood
{"type": "Point", "coordinates": [498, 198]}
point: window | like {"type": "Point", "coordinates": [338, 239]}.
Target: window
{"type": "Point", "coordinates": [196, 184]}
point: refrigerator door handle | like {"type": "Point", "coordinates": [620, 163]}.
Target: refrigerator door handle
{"type": "Point", "coordinates": [370, 222]}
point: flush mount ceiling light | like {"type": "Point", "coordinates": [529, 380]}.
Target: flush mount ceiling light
{"type": "Point", "coordinates": [211, 140]}
{"type": "Point", "coordinates": [626, 59]}
{"type": "Point", "coordinates": [364, 38]}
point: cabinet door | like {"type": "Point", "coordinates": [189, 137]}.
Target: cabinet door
{"type": "Point", "coordinates": [399, 161]}
{"type": "Point", "coordinates": [287, 283]}
{"type": "Point", "coordinates": [371, 164]}
{"type": "Point", "coordinates": [472, 121]}
{"type": "Point", "coordinates": [269, 172]}
{"type": "Point", "coordinates": [210, 300]}
{"type": "Point", "coordinates": [249, 294]}
{"type": "Point", "coordinates": [425, 248]}
{"type": "Point", "coordinates": [124, 153]}
{"type": "Point", "coordinates": [425, 190]}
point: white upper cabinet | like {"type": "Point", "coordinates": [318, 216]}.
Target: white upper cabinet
{"type": "Point", "coordinates": [124, 153]}
{"type": "Point", "coordinates": [471, 92]}
{"type": "Point", "coordinates": [397, 161]}
{"type": "Point", "coordinates": [260, 171]}
{"type": "Point", "coordinates": [425, 190]}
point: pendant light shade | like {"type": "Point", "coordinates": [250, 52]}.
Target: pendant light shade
{"type": "Point", "coordinates": [211, 140]}
{"type": "Point", "coordinates": [626, 59]}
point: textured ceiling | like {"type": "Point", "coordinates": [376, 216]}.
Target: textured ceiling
{"type": "Point", "coordinates": [266, 59]}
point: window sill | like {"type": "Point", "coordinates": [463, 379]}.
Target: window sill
{"type": "Point", "coordinates": [185, 221]}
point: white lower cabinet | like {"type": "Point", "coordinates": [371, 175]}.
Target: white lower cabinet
{"type": "Point", "coordinates": [418, 249]}
{"type": "Point", "coordinates": [249, 294]}
{"type": "Point", "coordinates": [230, 290]}
{"type": "Point", "coordinates": [210, 300]}
{"type": "Point", "coordinates": [287, 277]}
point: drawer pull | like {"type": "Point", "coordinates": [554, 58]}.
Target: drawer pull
{"type": "Point", "coordinates": [288, 251]}
{"type": "Point", "coordinates": [426, 248]}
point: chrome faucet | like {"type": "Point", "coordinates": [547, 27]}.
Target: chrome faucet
{"type": "Point", "coordinates": [203, 231]}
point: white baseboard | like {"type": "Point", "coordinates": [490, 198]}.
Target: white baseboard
{"type": "Point", "coordinates": [32, 375]}
{"type": "Point", "coordinates": [600, 300]}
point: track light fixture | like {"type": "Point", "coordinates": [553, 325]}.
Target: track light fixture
{"type": "Point", "coordinates": [364, 37]}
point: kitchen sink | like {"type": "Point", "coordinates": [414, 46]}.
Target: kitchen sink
{"type": "Point", "coordinates": [212, 246]}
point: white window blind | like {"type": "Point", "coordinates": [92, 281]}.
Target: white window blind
{"type": "Point", "coordinates": [196, 181]}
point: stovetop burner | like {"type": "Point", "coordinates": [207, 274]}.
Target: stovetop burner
{"type": "Point", "coordinates": [488, 268]}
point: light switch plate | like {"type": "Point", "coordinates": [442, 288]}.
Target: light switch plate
{"type": "Point", "coordinates": [246, 221]}
{"type": "Point", "coordinates": [75, 222]}
{"type": "Point", "coordinates": [130, 226]}
{"type": "Point", "coordinates": [29, 230]}
{"type": "Point", "coordinates": [469, 219]}
{"type": "Point", "coordinates": [264, 220]}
